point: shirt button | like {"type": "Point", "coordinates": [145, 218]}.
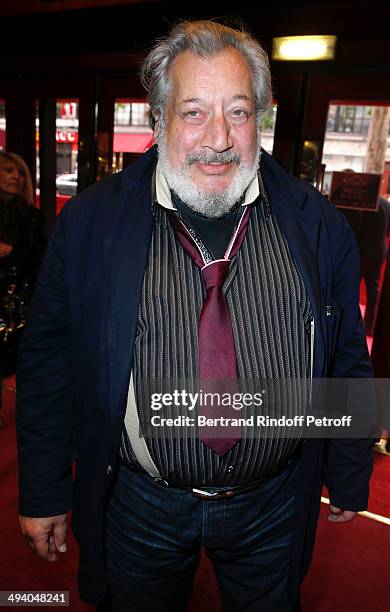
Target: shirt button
{"type": "Point", "coordinates": [230, 469]}
{"type": "Point", "coordinates": [109, 470]}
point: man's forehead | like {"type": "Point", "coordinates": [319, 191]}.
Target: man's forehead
{"type": "Point", "coordinates": [187, 64]}
{"type": "Point", "coordinates": [227, 72]}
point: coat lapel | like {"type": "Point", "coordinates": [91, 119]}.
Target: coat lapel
{"type": "Point", "coordinates": [127, 249]}
{"type": "Point", "coordinates": [301, 230]}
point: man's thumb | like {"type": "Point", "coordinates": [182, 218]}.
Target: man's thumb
{"type": "Point", "coordinates": [59, 533]}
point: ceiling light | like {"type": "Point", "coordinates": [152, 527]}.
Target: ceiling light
{"type": "Point", "coordinates": [304, 48]}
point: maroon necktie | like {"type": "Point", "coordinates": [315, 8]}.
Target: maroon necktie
{"type": "Point", "coordinates": [217, 355]}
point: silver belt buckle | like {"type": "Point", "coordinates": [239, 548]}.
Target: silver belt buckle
{"type": "Point", "coordinates": [224, 494]}
{"type": "Point", "coordinates": [203, 493]}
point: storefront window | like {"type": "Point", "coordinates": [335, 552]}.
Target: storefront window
{"type": "Point", "coordinates": [352, 119]}
{"type": "Point", "coordinates": [267, 125]}
{"type": "Point", "coordinates": [131, 113]}
{"type": "Point", "coordinates": [132, 134]}
{"type": "Point", "coordinates": [346, 140]}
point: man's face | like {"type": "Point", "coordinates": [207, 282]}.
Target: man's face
{"type": "Point", "coordinates": [11, 180]}
{"type": "Point", "coordinates": [210, 137]}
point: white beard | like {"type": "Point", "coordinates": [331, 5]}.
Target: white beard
{"type": "Point", "coordinates": [208, 203]}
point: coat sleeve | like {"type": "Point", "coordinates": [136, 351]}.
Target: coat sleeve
{"type": "Point", "coordinates": [349, 461]}
{"type": "Point", "coordinates": [44, 414]}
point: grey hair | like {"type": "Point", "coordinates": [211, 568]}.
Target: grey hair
{"type": "Point", "coordinates": [204, 39]}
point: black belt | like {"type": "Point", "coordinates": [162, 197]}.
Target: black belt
{"type": "Point", "coordinates": [213, 493]}
{"type": "Point", "coordinates": [217, 493]}
{"type": "Point", "coordinates": [223, 493]}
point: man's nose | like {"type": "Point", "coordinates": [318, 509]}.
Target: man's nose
{"type": "Point", "coordinates": [217, 135]}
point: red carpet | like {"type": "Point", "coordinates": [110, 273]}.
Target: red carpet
{"type": "Point", "coordinates": [19, 568]}
{"type": "Point", "coordinates": [351, 568]}
{"type": "Point", "coordinates": [350, 571]}
{"type": "Point", "coordinates": [380, 486]}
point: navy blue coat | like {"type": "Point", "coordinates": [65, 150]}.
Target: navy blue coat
{"type": "Point", "coordinates": [76, 354]}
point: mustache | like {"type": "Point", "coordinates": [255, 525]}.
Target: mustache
{"type": "Point", "coordinates": [209, 157]}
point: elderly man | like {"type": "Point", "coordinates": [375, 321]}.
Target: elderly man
{"type": "Point", "coordinates": [204, 260]}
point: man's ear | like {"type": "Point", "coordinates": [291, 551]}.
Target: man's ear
{"type": "Point", "coordinates": [156, 128]}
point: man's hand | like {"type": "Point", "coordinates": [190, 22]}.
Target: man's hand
{"type": "Point", "coordinates": [5, 249]}
{"type": "Point", "coordinates": [338, 515]}
{"type": "Point", "coordinates": [46, 535]}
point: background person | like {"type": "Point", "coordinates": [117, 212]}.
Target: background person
{"type": "Point", "coordinates": [372, 241]}
{"type": "Point", "coordinates": [15, 178]}
{"type": "Point", "coordinates": [22, 244]}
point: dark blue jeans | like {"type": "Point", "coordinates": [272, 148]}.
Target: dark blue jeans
{"type": "Point", "coordinates": [154, 535]}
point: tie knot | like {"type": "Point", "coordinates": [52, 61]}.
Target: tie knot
{"type": "Point", "coordinates": [215, 272]}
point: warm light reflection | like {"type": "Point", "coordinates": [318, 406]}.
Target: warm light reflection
{"type": "Point", "coordinates": [304, 48]}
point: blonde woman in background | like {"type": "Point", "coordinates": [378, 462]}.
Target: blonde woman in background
{"type": "Point", "coordinates": [22, 243]}
{"type": "Point", "coordinates": [15, 178]}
